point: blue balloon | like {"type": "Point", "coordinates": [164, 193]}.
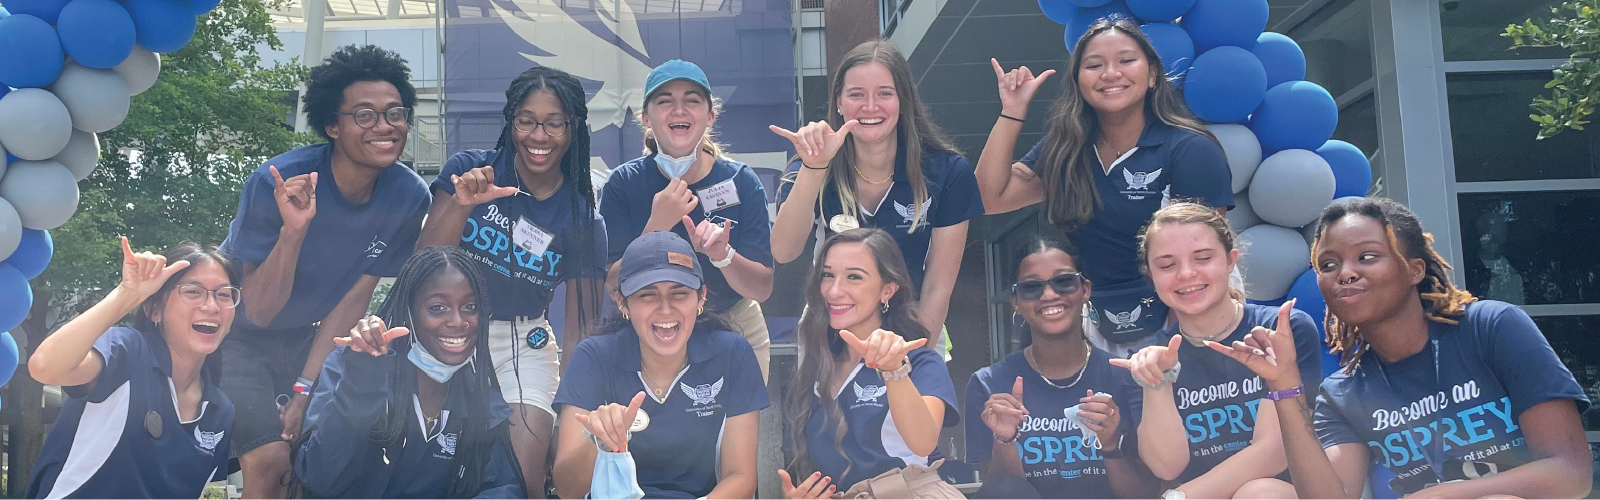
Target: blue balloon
{"type": "Point", "coordinates": [98, 34]}
{"type": "Point", "coordinates": [1225, 85]}
{"type": "Point", "coordinates": [1295, 115]}
{"type": "Point", "coordinates": [162, 25]}
{"type": "Point", "coordinates": [1174, 47]}
{"type": "Point", "coordinates": [1281, 57]}
{"type": "Point", "coordinates": [1215, 23]}
{"type": "Point", "coordinates": [42, 9]}
{"type": "Point", "coordinates": [1089, 3]}
{"type": "Point", "coordinates": [9, 357]}
{"type": "Point", "coordinates": [1059, 11]}
{"type": "Point", "coordinates": [15, 297]}
{"type": "Point", "coordinates": [1159, 11]}
{"type": "Point", "coordinates": [1308, 298]}
{"type": "Point", "coordinates": [32, 55]}
{"type": "Point", "coordinates": [4, 13]}
{"type": "Point", "coordinates": [33, 253]}
{"type": "Point", "coordinates": [1087, 16]}
{"type": "Point", "coordinates": [202, 7]}
{"type": "Point", "coordinates": [1352, 172]}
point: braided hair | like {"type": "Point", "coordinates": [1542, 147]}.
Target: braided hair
{"type": "Point", "coordinates": [1442, 302]}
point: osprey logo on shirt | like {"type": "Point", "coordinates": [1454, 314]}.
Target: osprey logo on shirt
{"type": "Point", "coordinates": [1126, 319]}
{"type": "Point", "coordinates": [208, 439]}
{"type": "Point", "coordinates": [702, 394]}
{"type": "Point", "coordinates": [1140, 181]}
{"type": "Point", "coordinates": [376, 248]}
{"type": "Point", "coordinates": [447, 444]}
{"type": "Point", "coordinates": [869, 394]}
{"type": "Point", "coordinates": [909, 214]}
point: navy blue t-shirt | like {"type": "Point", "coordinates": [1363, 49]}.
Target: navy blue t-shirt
{"type": "Point", "coordinates": [1218, 397]}
{"type": "Point", "coordinates": [630, 191]}
{"type": "Point", "coordinates": [1169, 163]}
{"type": "Point", "coordinates": [871, 439]}
{"type": "Point", "coordinates": [344, 241]}
{"type": "Point", "coordinates": [1056, 460]}
{"type": "Point", "coordinates": [520, 283]}
{"type": "Point", "coordinates": [1417, 412]}
{"type": "Point", "coordinates": [952, 199]}
{"type": "Point", "coordinates": [133, 444]}
{"type": "Point", "coordinates": [677, 454]}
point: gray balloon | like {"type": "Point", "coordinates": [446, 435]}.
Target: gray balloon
{"type": "Point", "coordinates": [140, 70]}
{"type": "Point", "coordinates": [44, 193]}
{"type": "Point", "coordinates": [81, 154]}
{"type": "Point", "coordinates": [1271, 258]}
{"type": "Point", "coordinates": [1292, 187]}
{"type": "Point", "coordinates": [3, 160]}
{"type": "Point", "coordinates": [1309, 231]}
{"type": "Point", "coordinates": [97, 99]}
{"type": "Point", "coordinates": [1243, 150]}
{"type": "Point", "coordinates": [34, 124]}
{"type": "Point", "coordinates": [10, 230]}
{"type": "Point", "coordinates": [1242, 216]}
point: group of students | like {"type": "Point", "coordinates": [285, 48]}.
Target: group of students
{"type": "Point", "coordinates": [1146, 372]}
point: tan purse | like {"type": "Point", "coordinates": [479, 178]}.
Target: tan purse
{"type": "Point", "coordinates": [911, 481]}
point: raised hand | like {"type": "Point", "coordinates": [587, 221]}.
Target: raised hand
{"type": "Point", "coordinates": [1101, 415]}
{"type": "Point", "coordinates": [1260, 351]}
{"type": "Point", "coordinates": [883, 350]}
{"type": "Point", "coordinates": [1004, 413]}
{"type": "Point", "coordinates": [817, 142]}
{"type": "Point", "coordinates": [1148, 364]}
{"type": "Point", "coordinates": [1017, 87]}
{"type": "Point", "coordinates": [476, 186]}
{"type": "Point", "coordinates": [671, 204]}
{"type": "Point", "coordinates": [609, 423]}
{"type": "Point", "coordinates": [371, 336]}
{"type": "Point", "coordinates": [707, 238]}
{"type": "Point", "coordinates": [814, 487]}
{"type": "Point", "coordinates": [297, 198]}
{"type": "Point", "coordinates": [143, 273]}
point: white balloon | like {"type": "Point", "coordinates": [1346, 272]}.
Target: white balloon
{"type": "Point", "coordinates": [1292, 187]}
{"type": "Point", "coordinates": [81, 154]}
{"type": "Point", "coordinates": [44, 193]}
{"type": "Point", "coordinates": [140, 70]}
{"type": "Point", "coordinates": [1242, 216]}
{"type": "Point", "coordinates": [1271, 258]}
{"type": "Point", "coordinates": [1239, 144]}
{"type": "Point", "coordinates": [34, 124]}
{"type": "Point", "coordinates": [10, 230]}
{"type": "Point", "coordinates": [97, 99]}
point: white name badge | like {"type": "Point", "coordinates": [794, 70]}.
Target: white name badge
{"type": "Point", "coordinates": [722, 195]}
{"type": "Point", "coordinates": [531, 237]}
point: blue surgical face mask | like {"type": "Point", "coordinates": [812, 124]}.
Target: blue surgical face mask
{"type": "Point", "coordinates": [615, 476]}
{"type": "Point", "coordinates": [431, 366]}
{"type": "Point", "coordinates": [674, 167]}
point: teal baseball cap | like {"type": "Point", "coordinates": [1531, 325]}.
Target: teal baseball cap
{"type": "Point", "coordinates": [670, 71]}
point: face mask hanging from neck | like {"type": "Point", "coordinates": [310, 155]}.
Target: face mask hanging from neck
{"type": "Point", "coordinates": [672, 167]}
{"type": "Point", "coordinates": [431, 366]}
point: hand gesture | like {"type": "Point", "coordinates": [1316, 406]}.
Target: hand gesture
{"type": "Point", "coordinates": [297, 198]}
{"type": "Point", "coordinates": [1259, 351]}
{"type": "Point", "coordinates": [1017, 87]}
{"type": "Point", "coordinates": [476, 186]}
{"type": "Point", "coordinates": [1004, 413]}
{"type": "Point", "coordinates": [143, 273]}
{"type": "Point", "coordinates": [1148, 364]}
{"type": "Point", "coordinates": [1101, 415]}
{"type": "Point", "coordinates": [708, 238]}
{"type": "Point", "coordinates": [672, 203]}
{"type": "Point", "coordinates": [883, 350]}
{"type": "Point", "coordinates": [371, 336]}
{"type": "Point", "coordinates": [814, 487]}
{"type": "Point", "coordinates": [609, 423]}
{"type": "Point", "coordinates": [816, 142]}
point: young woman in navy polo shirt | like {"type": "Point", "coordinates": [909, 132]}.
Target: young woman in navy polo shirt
{"type": "Point", "coordinates": [1458, 397]}
{"type": "Point", "coordinates": [697, 383]}
{"type": "Point", "coordinates": [144, 417]}
{"type": "Point", "coordinates": [404, 407]}
{"type": "Point", "coordinates": [537, 179]}
{"type": "Point", "coordinates": [866, 373]}
{"type": "Point", "coordinates": [1118, 143]}
{"type": "Point", "coordinates": [897, 171]}
{"type": "Point", "coordinates": [1217, 408]}
{"type": "Point", "coordinates": [1055, 417]}
{"type": "Point", "coordinates": [685, 185]}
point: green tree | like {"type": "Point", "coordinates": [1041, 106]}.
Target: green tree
{"type": "Point", "coordinates": [170, 173]}
{"type": "Point", "coordinates": [1575, 86]}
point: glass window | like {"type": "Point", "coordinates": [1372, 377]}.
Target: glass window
{"type": "Point", "coordinates": [1472, 29]}
{"type": "Point", "coordinates": [1495, 141]}
{"type": "Point", "coordinates": [1573, 339]}
{"type": "Point", "coordinates": [814, 95]}
{"type": "Point", "coordinates": [1358, 125]}
{"type": "Point", "coordinates": [1532, 247]}
{"type": "Point", "coordinates": [1337, 41]}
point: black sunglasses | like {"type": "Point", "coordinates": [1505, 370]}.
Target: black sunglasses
{"type": "Point", "coordinates": [1031, 290]}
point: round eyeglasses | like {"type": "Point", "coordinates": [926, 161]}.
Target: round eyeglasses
{"type": "Point", "coordinates": [193, 295]}
{"type": "Point", "coordinates": [368, 118]}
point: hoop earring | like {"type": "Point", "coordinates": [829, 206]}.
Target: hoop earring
{"type": "Point", "coordinates": [885, 307]}
{"type": "Point", "coordinates": [625, 315]}
{"type": "Point", "coordinates": [701, 311]}
{"type": "Point", "coordinates": [1015, 319]}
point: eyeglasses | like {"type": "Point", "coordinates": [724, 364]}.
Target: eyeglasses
{"type": "Point", "coordinates": [194, 295]}
{"type": "Point", "coordinates": [553, 128]}
{"type": "Point", "coordinates": [1031, 290]}
{"type": "Point", "coordinates": [368, 118]}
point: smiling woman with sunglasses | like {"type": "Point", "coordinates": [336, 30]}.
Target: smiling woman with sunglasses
{"type": "Point", "coordinates": [1057, 405]}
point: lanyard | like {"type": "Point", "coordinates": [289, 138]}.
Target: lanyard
{"type": "Point", "coordinates": [1433, 429]}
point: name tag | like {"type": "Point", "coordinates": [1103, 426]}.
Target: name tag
{"type": "Point", "coordinates": [530, 236]}
{"type": "Point", "coordinates": [722, 195]}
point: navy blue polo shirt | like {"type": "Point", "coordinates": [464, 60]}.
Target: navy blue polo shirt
{"type": "Point", "coordinates": [871, 439]}
{"type": "Point", "coordinates": [339, 459]}
{"type": "Point", "coordinates": [630, 191]}
{"type": "Point", "coordinates": [677, 454]}
{"type": "Point", "coordinates": [1056, 460]}
{"type": "Point", "coordinates": [520, 283]}
{"type": "Point", "coordinates": [1465, 404]}
{"type": "Point", "coordinates": [1218, 397]}
{"type": "Point", "coordinates": [952, 199]}
{"type": "Point", "coordinates": [120, 436]}
{"type": "Point", "coordinates": [344, 240]}
{"type": "Point", "coordinates": [1168, 163]}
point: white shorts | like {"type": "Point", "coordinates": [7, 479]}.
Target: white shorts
{"type": "Point", "coordinates": [527, 375]}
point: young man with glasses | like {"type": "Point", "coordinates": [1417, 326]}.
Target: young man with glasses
{"type": "Point", "coordinates": [316, 228]}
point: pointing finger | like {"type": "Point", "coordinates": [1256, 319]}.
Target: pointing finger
{"type": "Point", "coordinates": [998, 72]}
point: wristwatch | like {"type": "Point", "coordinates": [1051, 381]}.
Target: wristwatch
{"type": "Point", "coordinates": [1174, 494]}
{"type": "Point", "coordinates": [719, 264]}
{"type": "Point", "coordinates": [898, 373]}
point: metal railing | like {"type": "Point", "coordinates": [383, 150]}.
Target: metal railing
{"type": "Point", "coordinates": [425, 144]}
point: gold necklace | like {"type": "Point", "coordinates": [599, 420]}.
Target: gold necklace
{"type": "Point", "coordinates": [870, 181]}
{"type": "Point", "coordinates": [1027, 354]}
{"type": "Point", "coordinates": [660, 393]}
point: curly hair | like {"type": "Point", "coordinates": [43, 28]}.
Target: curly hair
{"type": "Point", "coordinates": [350, 64]}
